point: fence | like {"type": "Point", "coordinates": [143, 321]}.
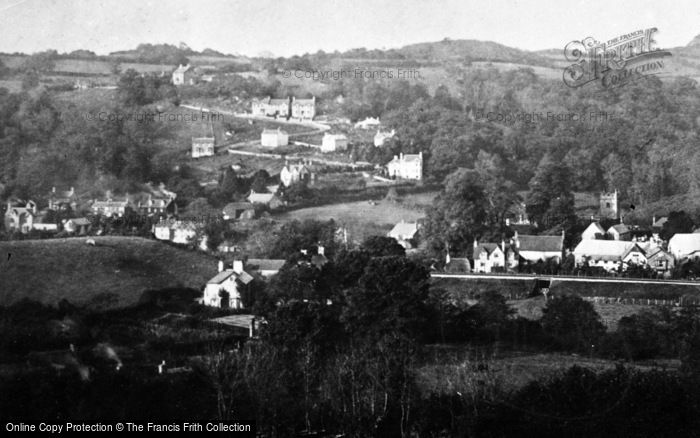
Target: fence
{"type": "Point", "coordinates": [679, 302]}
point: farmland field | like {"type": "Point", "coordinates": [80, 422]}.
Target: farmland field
{"type": "Point", "coordinates": [113, 273]}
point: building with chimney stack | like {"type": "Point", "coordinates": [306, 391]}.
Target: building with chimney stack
{"type": "Point", "coordinates": [406, 166]}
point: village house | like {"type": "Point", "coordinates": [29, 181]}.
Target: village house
{"type": "Point", "coordinates": [593, 231]}
{"type": "Point", "coordinates": [239, 210]}
{"type": "Point", "coordinates": [659, 260]}
{"type": "Point", "coordinates": [273, 138]}
{"type": "Point", "coordinates": [184, 75]}
{"type": "Point", "coordinates": [457, 265]}
{"type": "Point", "coordinates": [269, 107]}
{"type": "Point", "coordinates": [334, 142]}
{"type": "Point", "coordinates": [294, 173]}
{"type": "Point", "coordinates": [381, 137]}
{"type": "Point", "coordinates": [303, 109]}
{"type": "Point", "coordinates": [684, 246]}
{"type": "Point", "coordinates": [369, 122]}
{"type": "Point", "coordinates": [490, 257]}
{"type": "Point", "coordinates": [226, 288]}
{"type": "Point", "coordinates": [203, 146]}
{"type": "Point", "coordinates": [534, 249]}
{"type": "Point", "coordinates": [78, 225]}
{"type": "Point", "coordinates": [19, 216]}
{"type": "Point", "coordinates": [41, 224]}
{"type": "Point", "coordinates": [619, 232]}
{"type": "Point", "coordinates": [611, 255]}
{"type": "Point", "coordinates": [110, 207]}
{"type": "Point", "coordinates": [62, 200]}
{"type": "Point", "coordinates": [270, 200]}
{"type": "Point", "coordinates": [404, 233]}
{"type": "Point", "coordinates": [408, 166]}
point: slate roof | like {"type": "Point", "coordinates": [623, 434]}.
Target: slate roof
{"type": "Point", "coordinates": [488, 247]}
{"type": "Point", "coordinates": [234, 207]}
{"type": "Point", "coordinates": [684, 243]}
{"type": "Point", "coordinates": [540, 243]}
{"type": "Point", "coordinates": [274, 131]}
{"type": "Point", "coordinates": [607, 250]}
{"type": "Point", "coordinates": [620, 228]}
{"type": "Point", "coordinates": [80, 221]}
{"type": "Point", "coordinates": [404, 229]}
{"type": "Point", "coordinates": [261, 198]}
{"type": "Point", "coordinates": [266, 264]}
{"type": "Point", "coordinates": [222, 276]}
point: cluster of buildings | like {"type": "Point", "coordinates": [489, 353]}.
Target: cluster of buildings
{"type": "Point", "coordinates": [287, 108]}
{"type": "Point", "coordinates": [508, 256]}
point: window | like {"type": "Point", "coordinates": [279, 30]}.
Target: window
{"type": "Point", "coordinates": [607, 205]}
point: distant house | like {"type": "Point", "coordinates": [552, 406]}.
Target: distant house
{"type": "Point", "coordinates": [658, 225]}
{"type": "Point", "coordinates": [409, 166]}
{"type": "Point", "coordinates": [19, 216]}
{"type": "Point", "coordinates": [265, 267]}
{"type": "Point", "coordinates": [184, 75]}
{"type": "Point", "coordinates": [269, 107]}
{"type": "Point", "coordinates": [303, 109]}
{"type": "Point", "coordinates": [269, 200]}
{"type": "Point", "coordinates": [492, 256]}
{"type": "Point", "coordinates": [203, 146]}
{"type": "Point", "coordinates": [457, 265]}
{"type": "Point", "coordinates": [79, 225]}
{"type": "Point", "coordinates": [404, 233]}
{"type": "Point", "coordinates": [685, 246]}
{"type": "Point", "coordinates": [226, 288]}
{"type": "Point", "coordinates": [227, 246]}
{"type": "Point", "coordinates": [156, 205]}
{"type": "Point", "coordinates": [619, 232]}
{"type": "Point", "coordinates": [293, 173]}
{"type": "Point", "coordinates": [609, 254]}
{"type": "Point", "coordinates": [62, 200]}
{"type": "Point", "coordinates": [660, 260]}
{"type": "Point", "coordinates": [594, 231]}
{"type": "Point", "coordinates": [369, 122]}
{"type": "Point", "coordinates": [539, 248]}
{"type": "Point", "coordinates": [273, 138]}
{"type": "Point", "coordinates": [334, 142]}
{"type": "Point", "coordinates": [163, 230]}
{"type": "Point", "coordinates": [239, 210]}
{"type": "Point", "coordinates": [381, 137]}
{"type": "Point", "coordinates": [110, 207]}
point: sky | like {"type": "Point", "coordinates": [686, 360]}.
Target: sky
{"type": "Point", "coordinates": [288, 27]}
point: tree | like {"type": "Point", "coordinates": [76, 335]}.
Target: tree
{"type": "Point", "coordinates": [458, 213]}
{"type": "Point", "coordinates": [572, 323]}
{"type": "Point", "coordinates": [381, 246]}
{"type": "Point", "coordinates": [550, 202]}
{"type": "Point", "coordinates": [678, 222]}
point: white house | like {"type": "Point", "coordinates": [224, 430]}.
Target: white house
{"type": "Point", "coordinates": [268, 199]}
{"type": "Point", "coordinates": [269, 107]}
{"type": "Point", "coordinates": [110, 207]}
{"type": "Point", "coordinates": [273, 138]}
{"type": "Point", "coordinates": [594, 231]}
{"type": "Point", "coordinates": [381, 137]}
{"type": "Point", "coordinates": [292, 173]}
{"type": "Point", "coordinates": [369, 122]}
{"type": "Point", "coordinates": [78, 225]}
{"type": "Point", "coordinates": [203, 147]}
{"type": "Point", "coordinates": [19, 216]}
{"type": "Point", "coordinates": [225, 288]}
{"type": "Point", "coordinates": [685, 246]}
{"type": "Point", "coordinates": [334, 142]}
{"type": "Point", "coordinates": [404, 233]}
{"type": "Point", "coordinates": [184, 75]}
{"type": "Point", "coordinates": [303, 109]}
{"type": "Point", "coordinates": [609, 254]}
{"type": "Point", "coordinates": [490, 256]}
{"type": "Point", "coordinates": [408, 166]}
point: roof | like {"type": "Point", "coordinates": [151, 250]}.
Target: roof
{"type": "Point", "coordinates": [266, 264]}
{"type": "Point", "coordinates": [278, 101]}
{"type": "Point", "coordinates": [336, 136]}
{"type": "Point", "coordinates": [109, 204]}
{"type": "Point", "coordinates": [458, 264]}
{"type": "Point", "coordinates": [658, 252]}
{"type": "Point", "coordinates": [488, 247]}
{"type": "Point", "coordinates": [596, 228]}
{"type": "Point", "coordinates": [660, 222]}
{"type": "Point", "coordinates": [611, 250]}
{"type": "Point", "coordinates": [632, 248]}
{"type": "Point", "coordinates": [540, 243]}
{"type": "Point", "coordinates": [620, 228]}
{"type": "Point", "coordinates": [404, 229]}
{"type": "Point", "coordinates": [407, 158]}
{"type": "Point", "coordinates": [684, 243]}
{"type": "Point", "coordinates": [274, 131]}
{"type": "Point", "coordinates": [80, 221]}
{"type": "Point", "coordinates": [233, 207]}
{"type": "Point", "coordinates": [311, 101]}
{"type": "Point", "coordinates": [222, 276]}
{"type": "Point", "coordinates": [318, 260]}
{"type": "Point", "coordinates": [183, 68]}
{"type": "Point", "coordinates": [261, 198]}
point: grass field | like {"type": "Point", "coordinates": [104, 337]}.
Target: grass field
{"type": "Point", "coordinates": [113, 273]}
{"type": "Point", "coordinates": [361, 218]}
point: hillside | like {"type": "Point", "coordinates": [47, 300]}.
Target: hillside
{"type": "Point", "coordinates": [475, 50]}
{"type": "Point", "coordinates": [113, 273]}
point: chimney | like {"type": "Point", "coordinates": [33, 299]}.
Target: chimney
{"type": "Point", "coordinates": [53, 189]}
{"type": "Point", "coordinates": [475, 243]}
{"type": "Point", "coordinates": [503, 246]}
{"type": "Point", "coordinates": [238, 266]}
{"type": "Point", "coordinates": [221, 265]}
{"type": "Point", "coordinates": [401, 156]}
{"type": "Point", "coordinates": [653, 220]}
